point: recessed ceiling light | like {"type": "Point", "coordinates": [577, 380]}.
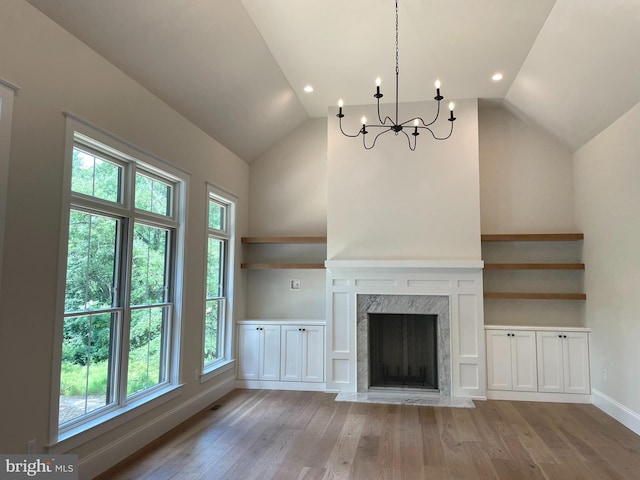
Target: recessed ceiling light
{"type": "Point", "coordinates": [496, 77]}
{"type": "Point", "coordinates": [308, 89]}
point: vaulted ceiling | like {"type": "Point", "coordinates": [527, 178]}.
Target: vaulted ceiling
{"type": "Point", "coordinates": [237, 68]}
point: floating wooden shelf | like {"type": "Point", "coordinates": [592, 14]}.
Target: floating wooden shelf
{"type": "Point", "coordinates": [530, 237]}
{"type": "Point", "coordinates": [534, 266]}
{"type": "Point", "coordinates": [536, 296]}
{"type": "Point", "coordinates": [265, 266]}
{"type": "Point", "coordinates": [284, 239]}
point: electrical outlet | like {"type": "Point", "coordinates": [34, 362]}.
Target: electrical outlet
{"type": "Point", "coordinates": [294, 284]}
{"type": "Point", "coordinates": [605, 374]}
{"type": "Point", "coordinates": [32, 446]}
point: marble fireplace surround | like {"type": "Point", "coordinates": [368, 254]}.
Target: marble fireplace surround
{"type": "Point", "coordinates": [407, 304]}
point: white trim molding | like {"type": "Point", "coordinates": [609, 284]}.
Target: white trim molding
{"type": "Point", "coordinates": [538, 396]}
{"type": "Point", "coordinates": [7, 92]}
{"type": "Point", "coordinates": [611, 407]}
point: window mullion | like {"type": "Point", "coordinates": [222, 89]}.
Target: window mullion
{"type": "Point", "coordinates": [125, 299]}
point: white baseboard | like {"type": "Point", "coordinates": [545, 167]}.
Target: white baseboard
{"type": "Point", "coordinates": [113, 453]}
{"type": "Point", "coordinates": [276, 385]}
{"type": "Point", "coordinates": [538, 396]}
{"type": "Point", "coordinates": [624, 415]}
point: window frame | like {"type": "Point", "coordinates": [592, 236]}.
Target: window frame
{"type": "Point", "coordinates": [83, 134]}
{"type": "Point", "coordinates": [7, 93]}
{"type": "Point", "coordinates": [228, 236]}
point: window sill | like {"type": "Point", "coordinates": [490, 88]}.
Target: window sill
{"type": "Point", "coordinates": [89, 431]}
{"type": "Point", "coordinates": [218, 369]}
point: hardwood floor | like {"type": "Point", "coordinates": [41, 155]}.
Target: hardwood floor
{"type": "Point", "coordinates": [266, 434]}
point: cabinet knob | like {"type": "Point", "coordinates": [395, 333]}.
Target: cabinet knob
{"type": "Point", "coordinates": [559, 336]}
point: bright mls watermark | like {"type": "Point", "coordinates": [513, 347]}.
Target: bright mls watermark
{"type": "Point", "coordinates": [50, 467]}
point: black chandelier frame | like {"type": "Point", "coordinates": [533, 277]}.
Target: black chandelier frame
{"type": "Point", "coordinates": [388, 124]}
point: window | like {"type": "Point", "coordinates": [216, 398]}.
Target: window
{"type": "Point", "coordinates": [217, 317]}
{"type": "Point", "coordinates": [122, 263]}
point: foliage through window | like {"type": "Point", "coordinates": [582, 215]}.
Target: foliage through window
{"type": "Point", "coordinates": [219, 264]}
{"type": "Point", "coordinates": [119, 303]}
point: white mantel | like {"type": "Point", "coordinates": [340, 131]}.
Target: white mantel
{"type": "Point", "coordinates": [459, 280]}
{"type": "Point", "coordinates": [419, 265]}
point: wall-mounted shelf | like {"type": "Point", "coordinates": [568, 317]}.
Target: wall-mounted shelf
{"type": "Point", "coordinates": [531, 237]}
{"type": "Point", "coordinates": [538, 266]}
{"type": "Point", "coordinates": [282, 240]}
{"type": "Point", "coordinates": [268, 266]}
{"type": "Point", "coordinates": [534, 266]}
{"type": "Point", "coordinates": [536, 296]}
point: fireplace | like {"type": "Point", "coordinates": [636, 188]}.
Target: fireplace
{"type": "Point", "coordinates": [450, 290]}
{"type": "Point", "coordinates": [403, 351]}
{"type": "Point", "coordinates": [423, 307]}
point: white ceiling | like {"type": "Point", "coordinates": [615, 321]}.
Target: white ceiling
{"type": "Point", "coordinates": [236, 68]}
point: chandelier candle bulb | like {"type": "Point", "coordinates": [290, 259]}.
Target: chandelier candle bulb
{"type": "Point", "coordinates": [378, 94]}
{"type": "Point", "coordinates": [438, 97]}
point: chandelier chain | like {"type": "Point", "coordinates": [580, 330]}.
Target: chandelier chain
{"type": "Point", "coordinates": [397, 54]}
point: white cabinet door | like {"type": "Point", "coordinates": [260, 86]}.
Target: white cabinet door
{"type": "Point", "coordinates": [248, 352]}
{"type": "Point", "coordinates": [563, 362]}
{"type": "Point", "coordinates": [270, 352]}
{"type": "Point", "coordinates": [523, 361]}
{"type": "Point", "coordinates": [291, 368]}
{"type": "Point", "coordinates": [550, 363]}
{"type": "Point", "coordinates": [312, 353]}
{"type": "Point", "coordinates": [258, 352]}
{"type": "Point", "coordinates": [511, 360]}
{"type": "Point", "coordinates": [499, 360]}
{"type": "Point", "coordinates": [576, 362]}
{"type": "Point", "coordinates": [302, 357]}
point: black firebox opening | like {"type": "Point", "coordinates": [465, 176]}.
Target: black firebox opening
{"type": "Point", "coordinates": [403, 350]}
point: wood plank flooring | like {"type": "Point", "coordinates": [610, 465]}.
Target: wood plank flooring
{"type": "Point", "coordinates": [266, 434]}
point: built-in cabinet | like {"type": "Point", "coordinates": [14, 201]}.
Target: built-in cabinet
{"type": "Point", "coordinates": [281, 354]}
{"type": "Point", "coordinates": [511, 360]}
{"type": "Point", "coordinates": [259, 352]}
{"type": "Point", "coordinates": [563, 364]}
{"type": "Point", "coordinates": [302, 353]}
{"type": "Point", "coordinates": [537, 363]}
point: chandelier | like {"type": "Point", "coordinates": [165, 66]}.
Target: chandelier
{"type": "Point", "coordinates": [391, 125]}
